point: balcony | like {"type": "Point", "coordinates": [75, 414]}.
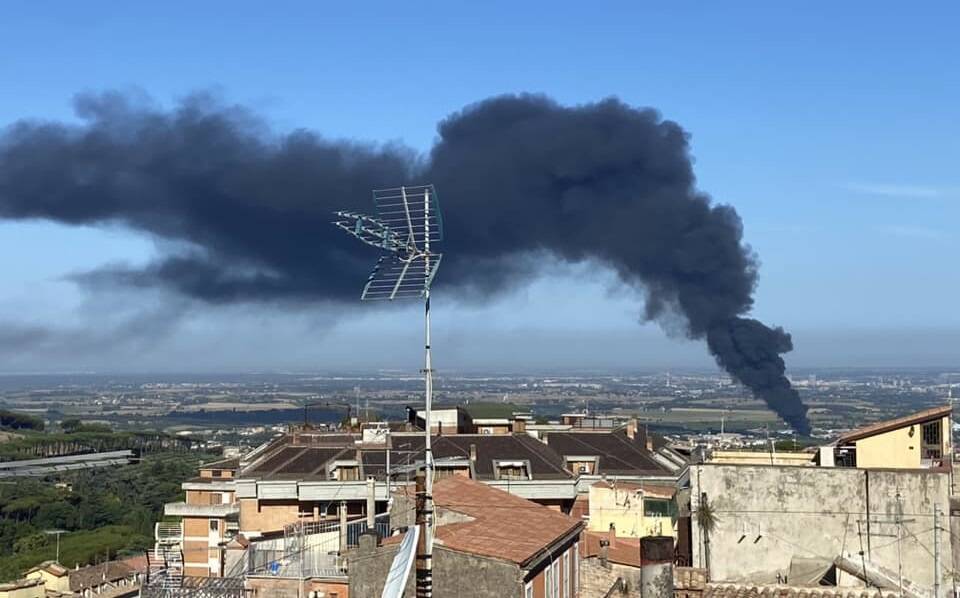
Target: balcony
{"type": "Point", "coordinates": [168, 533]}
{"type": "Point", "coordinates": [182, 509]}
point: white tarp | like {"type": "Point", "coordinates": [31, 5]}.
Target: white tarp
{"type": "Point", "coordinates": [402, 563]}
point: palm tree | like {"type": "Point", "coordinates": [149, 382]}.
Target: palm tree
{"type": "Point", "coordinates": [707, 521]}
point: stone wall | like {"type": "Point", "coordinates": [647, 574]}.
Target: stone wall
{"type": "Point", "coordinates": [455, 574]}
{"type": "Point", "coordinates": [766, 515]}
{"type": "Point", "coordinates": [596, 579]}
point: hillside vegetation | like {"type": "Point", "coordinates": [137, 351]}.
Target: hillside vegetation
{"type": "Point", "coordinates": [105, 511]}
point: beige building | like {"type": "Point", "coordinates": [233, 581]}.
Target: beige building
{"type": "Point", "coordinates": [632, 510]}
{"type": "Point", "coordinates": [31, 587]}
{"type": "Point", "coordinates": [56, 577]}
{"type": "Point", "coordinates": [915, 441]}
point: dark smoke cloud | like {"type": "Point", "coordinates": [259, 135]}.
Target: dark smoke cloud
{"type": "Point", "coordinates": [517, 175]}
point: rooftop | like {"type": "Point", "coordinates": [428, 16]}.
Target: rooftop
{"type": "Point", "coordinates": [744, 590]}
{"type": "Point", "coordinates": [501, 525]}
{"type": "Point", "coordinates": [893, 424]}
{"type": "Point", "coordinates": [623, 551]}
{"type": "Point", "coordinates": [95, 575]}
{"type": "Point", "coordinates": [19, 584]}
{"type": "Point", "coordinates": [52, 567]}
{"type": "Point", "coordinates": [618, 453]}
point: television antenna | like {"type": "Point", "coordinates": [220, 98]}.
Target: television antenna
{"type": "Point", "coordinates": [408, 220]}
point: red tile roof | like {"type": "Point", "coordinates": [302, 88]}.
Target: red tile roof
{"type": "Point", "coordinates": [893, 424]}
{"type": "Point", "coordinates": [137, 563]}
{"type": "Point", "coordinates": [623, 551]}
{"type": "Point", "coordinates": [743, 590]}
{"type": "Point", "coordinates": [501, 525]}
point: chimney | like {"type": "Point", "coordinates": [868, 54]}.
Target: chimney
{"type": "Point", "coordinates": [612, 534]}
{"type": "Point", "coordinates": [656, 567]}
{"type": "Point", "coordinates": [368, 543]}
{"type": "Point", "coordinates": [632, 428]}
{"type": "Point", "coordinates": [520, 425]}
{"type": "Point", "coordinates": [473, 454]}
{"type": "Point", "coordinates": [604, 553]}
{"type": "Point", "coordinates": [371, 502]}
{"type": "Point", "coordinates": [439, 428]}
{"type": "Point", "coordinates": [648, 440]}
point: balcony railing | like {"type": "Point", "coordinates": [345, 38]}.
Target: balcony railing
{"type": "Point", "coordinates": [168, 532]}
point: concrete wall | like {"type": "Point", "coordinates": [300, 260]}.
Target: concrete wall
{"type": "Point", "coordinates": [268, 515]}
{"type": "Point", "coordinates": [814, 512]}
{"type": "Point", "coordinates": [895, 448]}
{"type": "Point", "coordinates": [455, 574]}
{"type": "Point", "coordinates": [761, 458]}
{"type": "Point", "coordinates": [29, 591]}
{"type": "Point", "coordinates": [624, 509]}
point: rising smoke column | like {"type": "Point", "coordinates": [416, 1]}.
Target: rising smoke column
{"type": "Point", "coordinates": [249, 210]}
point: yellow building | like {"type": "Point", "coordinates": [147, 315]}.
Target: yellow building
{"type": "Point", "coordinates": [635, 510]}
{"type": "Point", "coordinates": [55, 576]}
{"type": "Point", "coordinates": [919, 440]}
{"type": "Point", "coordinates": [23, 588]}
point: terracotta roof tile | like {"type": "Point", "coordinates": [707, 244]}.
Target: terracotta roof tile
{"type": "Point", "coordinates": [95, 575]}
{"type": "Point", "coordinates": [502, 525]}
{"type": "Point", "coordinates": [744, 590]}
{"type": "Point", "coordinates": [623, 551]}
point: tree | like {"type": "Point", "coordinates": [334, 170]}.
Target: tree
{"type": "Point", "coordinates": [707, 521]}
{"type": "Point", "coordinates": [71, 425]}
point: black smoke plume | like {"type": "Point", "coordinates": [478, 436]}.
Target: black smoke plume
{"type": "Point", "coordinates": [249, 211]}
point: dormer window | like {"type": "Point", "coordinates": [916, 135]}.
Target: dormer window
{"type": "Point", "coordinates": [345, 471]}
{"type": "Point", "coordinates": [512, 470]}
{"type": "Point", "coordinates": [582, 464]}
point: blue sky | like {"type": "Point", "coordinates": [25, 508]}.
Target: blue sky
{"type": "Point", "coordinates": [831, 127]}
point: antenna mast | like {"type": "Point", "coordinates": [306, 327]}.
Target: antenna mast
{"type": "Point", "coordinates": [408, 219]}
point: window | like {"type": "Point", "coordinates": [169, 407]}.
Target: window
{"type": "Point", "coordinates": [930, 434]}
{"type": "Point", "coordinates": [215, 498]}
{"type": "Point", "coordinates": [214, 525]}
{"type": "Point", "coordinates": [512, 470]}
{"type": "Point", "coordinates": [528, 590]}
{"type": "Point", "coordinates": [582, 464]}
{"type": "Point", "coordinates": [347, 473]}
{"type": "Point", "coordinates": [653, 507]}
{"type": "Point", "coordinates": [217, 473]}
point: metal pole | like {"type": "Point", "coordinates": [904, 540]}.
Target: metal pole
{"type": "Point", "coordinates": [58, 547]}
{"type": "Point", "coordinates": [936, 551]}
{"type": "Point", "coordinates": [425, 516]}
{"type": "Point", "coordinates": [899, 547]}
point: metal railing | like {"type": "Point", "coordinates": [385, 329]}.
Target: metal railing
{"type": "Point", "coordinates": [168, 532]}
{"type": "Point", "coordinates": [309, 549]}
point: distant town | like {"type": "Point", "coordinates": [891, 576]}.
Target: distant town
{"type": "Point", "coordinates": [543, 486]}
